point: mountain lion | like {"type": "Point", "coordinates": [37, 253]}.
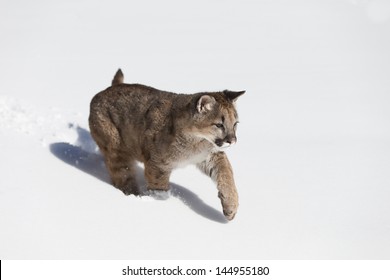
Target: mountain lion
{"type": "Point", "coordinates": [164, 130]}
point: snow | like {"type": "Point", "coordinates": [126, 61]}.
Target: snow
{"type": "Point", "coordinates": [312, 159]}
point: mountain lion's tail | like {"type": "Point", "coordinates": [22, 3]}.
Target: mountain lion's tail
{"type": "Point", "coordinates": [118, 78]}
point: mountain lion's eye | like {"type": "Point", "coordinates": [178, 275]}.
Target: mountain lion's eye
{"type": "Point", "coordinates": [219, 125]}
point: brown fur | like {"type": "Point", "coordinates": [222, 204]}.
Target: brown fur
{"type": "Point", "coordinates": [163, 130]}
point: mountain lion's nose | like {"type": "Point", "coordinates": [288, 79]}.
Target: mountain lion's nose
{"type": "Point", "coordinates": [231, 140]}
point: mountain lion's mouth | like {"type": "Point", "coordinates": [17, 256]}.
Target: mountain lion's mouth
{"type": "Point", "coordinates": [225, 145]}
{"type": "Point", "coordinates": [222, 144]}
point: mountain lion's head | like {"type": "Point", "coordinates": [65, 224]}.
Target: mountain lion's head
{"type": "Point", "coordinates": [216, 118]}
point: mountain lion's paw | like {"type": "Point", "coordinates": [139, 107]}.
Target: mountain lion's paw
{"type": "Point", "coordinates": [229, 206]}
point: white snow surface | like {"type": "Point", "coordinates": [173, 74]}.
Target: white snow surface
{"type": "Point", "coordinates": [312, 161]}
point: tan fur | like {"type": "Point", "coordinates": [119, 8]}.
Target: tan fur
{"type": "Point", "coordinates": [163, 130]}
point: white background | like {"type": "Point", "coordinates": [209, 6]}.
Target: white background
{"type": "Point", "coordinates": [311, 163]}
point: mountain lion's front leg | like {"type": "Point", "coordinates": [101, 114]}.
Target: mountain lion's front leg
{"type": "Point", "coordinates": [218, 167]}
{"type": "Point", "coordinates": [157, 177]}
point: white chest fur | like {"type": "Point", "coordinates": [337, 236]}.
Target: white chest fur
{"type": "Point", "coordinates": [193, 159]}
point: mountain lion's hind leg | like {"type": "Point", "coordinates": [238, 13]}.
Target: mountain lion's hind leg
{"type": "Point", "coordinates": [119, 164]}
{"type": "Point", "coordinates": [122, 173]}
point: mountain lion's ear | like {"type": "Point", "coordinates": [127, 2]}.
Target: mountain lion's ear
{"type": "Point", "coordinates": [233, 95]}
{"type": "Point", "coordinates": [205, 103]}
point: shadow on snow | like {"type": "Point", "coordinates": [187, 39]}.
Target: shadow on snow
{"type": "Point", "coordinates": [82, 157]}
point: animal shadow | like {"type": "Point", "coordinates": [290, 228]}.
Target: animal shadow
{"type": "Point", "coordinates": [85, 157]}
